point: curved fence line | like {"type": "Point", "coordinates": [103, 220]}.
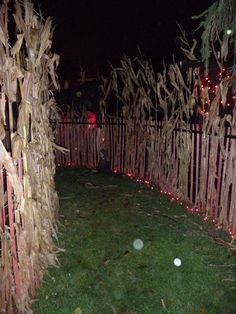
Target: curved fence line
{"type": "Point", "coordinates": [200, 172]}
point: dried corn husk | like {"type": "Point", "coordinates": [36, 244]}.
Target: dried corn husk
{"type": "Point", "coordinates": [28, 69]}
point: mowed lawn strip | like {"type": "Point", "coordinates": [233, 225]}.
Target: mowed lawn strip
{"type": "Point", "coordinates": [101, 271]}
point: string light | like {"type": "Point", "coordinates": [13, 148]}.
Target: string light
{"type": "Point", "coordinates": [212, 89]}
{"type": "Point", "coordinates": [193, 210]}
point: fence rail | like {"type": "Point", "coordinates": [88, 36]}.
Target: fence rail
{"type": "Point", "coordinates": [191, 163]}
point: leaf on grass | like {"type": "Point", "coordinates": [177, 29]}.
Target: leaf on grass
{"type": "Point", "coordinates": [127, 253]}
{"type": "Point", "coordinates": [91, 185]}
{"type": "Point", "coordinates": [128, 195]}
{"type": "Point", "coordinates": [78, 311]}
{"type": "Point", "coordinates": [110, 186]}
{"type": "Point", "coordinates": [163, 304]}
{"type": "Point", "coordinates": [106, 262]}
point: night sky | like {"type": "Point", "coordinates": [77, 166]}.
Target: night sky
{"type": "Point", "coordinates": [93, 34]}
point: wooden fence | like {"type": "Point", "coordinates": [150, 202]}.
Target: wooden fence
{"type": "Point", "coordinates": [202, 174]}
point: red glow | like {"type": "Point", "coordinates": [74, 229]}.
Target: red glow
{"type": "Point", "coordinates": [91, 119]}
{"type": "Point", "coordinates": [193, 210]}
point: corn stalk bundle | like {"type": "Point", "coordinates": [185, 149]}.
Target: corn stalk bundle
{"type": "Point", "coordinates": [27, 72]}
{"type": "Point", "coordinates": [194, 162]}
{"type": "Point", "coordinates": [219, 31]}
{"type": "Point", "coordinates": [153, 150]}
{"type": "Point", "coordinates": [218, 193]}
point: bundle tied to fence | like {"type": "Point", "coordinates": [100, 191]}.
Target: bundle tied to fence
{"type": "Point", "coordinates": [27, 72]}
{"type": "Point", "coordinates": [173, 137]}
{"type": "Point", "coordinates": [152, 101]}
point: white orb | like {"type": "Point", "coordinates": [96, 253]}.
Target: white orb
{"type": "Point", "coordinates": [177, 262]}
{"type": "Point", "coordinates": [138, 244]}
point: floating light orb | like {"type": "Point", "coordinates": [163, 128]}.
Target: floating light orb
{"type": "Point", "coordinates": [177, 262]}
{"type": "Point", "coordinates": [138, 244]}
{"type": "Point", "coordinates": [229, 31]}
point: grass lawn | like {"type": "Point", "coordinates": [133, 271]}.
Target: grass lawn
{"type": "Point", "coordinates": [101, 272]}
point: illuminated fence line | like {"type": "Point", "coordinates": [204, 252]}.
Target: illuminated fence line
{"type": "Point", "coordinates": [188, 163]}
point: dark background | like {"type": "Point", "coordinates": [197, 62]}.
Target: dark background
{"type": "Point", "coordinates": [92, 34]}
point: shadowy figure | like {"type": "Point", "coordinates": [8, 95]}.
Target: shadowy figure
{"type": "Point", "coordinates": [103, 164]}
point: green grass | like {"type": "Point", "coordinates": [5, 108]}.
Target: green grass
{"type": "Point", "coordinates": [102, 273]}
